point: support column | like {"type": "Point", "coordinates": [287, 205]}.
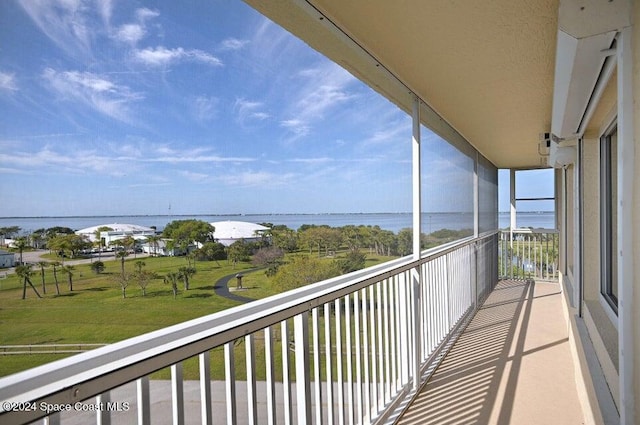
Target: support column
{"type": "Point", "coordinates": [626, 231]}
{"type": "Point", "coordinates": [417, 229]}
{"type": "Point", "coordinates": [512, 196]}
{"type": "Point", "coordinates": [416, 184]}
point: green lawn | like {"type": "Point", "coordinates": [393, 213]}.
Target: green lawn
{"type": "Point", "coordinates": [95, 311]}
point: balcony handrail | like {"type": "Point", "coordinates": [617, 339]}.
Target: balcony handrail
{"type": "Point", "coordinates": [89, 374]}
{"type": "Point", "coordinates": [530, 230]}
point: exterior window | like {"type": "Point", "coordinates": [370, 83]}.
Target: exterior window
{"type": "Point", "coordinates": [608, 217]}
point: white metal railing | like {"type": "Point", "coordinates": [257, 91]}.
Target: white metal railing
{"type": "Point", "coordinates": [529, 253]}
{"type": "Point", "coordinates": [341, 351]}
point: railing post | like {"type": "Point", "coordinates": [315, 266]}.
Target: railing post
{"type": "Point", "coordinates": [250, 357]}
{"type": "Point", "coordinates": [270, 375]}
{"type": "Point", "coordinates": [303, 363]}
{"type": "Point", "coordinates": [103, 416]}
{"type": "Point", "coordinates": [177, 394]}
{"type": "Point", "coordinates": [144, 403]}
{"type": "Point", "coordinates": [230, 383]}
{"type": "Point", "coordinates": [205, 388]}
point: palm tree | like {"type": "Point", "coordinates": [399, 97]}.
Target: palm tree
{"type": "Point", "coordinates": [25, 272]}
{"type": "Point", "coordinates": [186, 273]}
{"type": "Point", "coordinates": [55, 265]}
{"type": "Point", "coordinates": [122, 255]}
{"type": "Point", "coordinates": [43, 265]}
{"type": "Point", "coordinates": [154, 242]}
{"type": "Point", "coordinates": [68, 270]}
{"type": "Point", "coordinates": [99, 241]}
{"type": "Point", "coordinates": [21, 243]}
{"type": "Point", "coordinates": [172, 278]}
{"type": "Point", "coordinates": [139, 265]}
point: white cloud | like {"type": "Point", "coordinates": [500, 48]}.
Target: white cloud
{"type": "Point", "coordinates": [133, 32]}
{"type": "Point", "coordinates": [325, 88]}
{"type": "Point", "coordinates": [144, 13]}
{"type": "Point", "coordinates": [105, 7]}
{"type": "Point", "coordinates": [299, 128]}
{"type": "Point", "coordinates": [257, 178]}
{"type": "Point", "coordinates": [78, 161]}
{"type": "Point", "coordinates": [249, 111]}
{"type": "Point", "coordinates": [194, 177]}
{"type": "Point", "coordinates": [161, 56]}
{"type": "Point", "coordinates": [320, 91]}
{"type": "Point", "coordinates": [65, 22]}
{"type": "Point", "coordinates": [130, 33]}
{"type": "Point", "coordinates": [205, 108]}
{"type": "Point", "coordinates": [8, 82]}
{"type": "Point", "coordinates": [94, 91]}
{"type": "Point", "coordinates": [233, 44]}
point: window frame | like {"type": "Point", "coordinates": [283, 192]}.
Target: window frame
{"type": "Point", "coordinates": [608, 211]}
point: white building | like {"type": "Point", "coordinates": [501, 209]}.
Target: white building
{"type": "Point", "coordinates": [161, 248]}
{"type": "Point", "coordinates": [118, 231]}
{"type": "Point", "coordinates": [228, 232]}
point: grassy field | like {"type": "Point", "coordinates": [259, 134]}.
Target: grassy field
{"type": "Point", "coordinates": [95, 312]}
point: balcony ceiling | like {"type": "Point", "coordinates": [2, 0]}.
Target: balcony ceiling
{"type": "Point", "coordinates": [485, 67]}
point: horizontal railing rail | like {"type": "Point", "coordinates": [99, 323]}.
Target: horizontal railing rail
{"type": "Point", "coordinates": [529, 254]}
{"type": "Point", "coordinates": [349, 348]}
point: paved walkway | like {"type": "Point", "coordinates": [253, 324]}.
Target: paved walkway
{"type": "Point", "coordinates": [512, 365]}
{"type": "Point", "coordinates": [221, 287]}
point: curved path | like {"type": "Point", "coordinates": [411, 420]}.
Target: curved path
{"type": "Point", "coordinates": [221, 287]}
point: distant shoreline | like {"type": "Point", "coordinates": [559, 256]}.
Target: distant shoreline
{"type": "Point", "coordinates": [246, 214]}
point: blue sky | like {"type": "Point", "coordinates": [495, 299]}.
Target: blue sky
{"type": "Point", "coordinates": [125, 107]}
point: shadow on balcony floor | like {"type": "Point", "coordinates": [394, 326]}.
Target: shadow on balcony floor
{"type": "Point", "coordinates": [512, 365]}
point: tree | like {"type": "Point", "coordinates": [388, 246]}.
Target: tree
{"type": "Point", "coordinates": [284, 238]}
{"type": "Point", "coordinates": [21, 243]}
{"type": "Point", "coordinates": [185, 232]}
{"type": "Point", "coordinates": [68, 270]}
{"type": "Point", "coordinates": [97, 267]}
{"type": "Point", "coordinates": [211, 251]}
{"type": "Point", "coordinates": [139, 265]}
{"type": "Point", "coordinates": [8, 232]}
{"type": "Point", "coordinates": [142, 277]}
{"type": "Point", "coordinates": [355, 260]}
{"type": "Point", "coordinates": [320, 237]}
{"type": "Point", "coordinates": [43, 265]}
{"type": "Point", "coordinates": [25, 273]}
{"type": "Point", "coordinates": [154, 241]}
{"type": "Point", "coordinates": [186, 273]}
{"type": "Point", "coordinates": [405, 241]}
{"type": "Point", "coordinates": [270, 257]}
{"type": "Point", "coordinates": [55, 265]}
{"type": "Point", "coordinates": [70, 244]}
{"type": "Point", "coordinates": [238, 251]}
{"type": "Point", "coordinates": [172, 278]}
{"type": "Point", "coordinates": [38, 238]}
{"type": "Point", "coordinates": [123, 279]}
{"type": "Point", "coordinates": [122, 255]}
{"type": "Point", "coordinates": [99, 242]}
{"type": "Point", "coordinates": [303, 270]}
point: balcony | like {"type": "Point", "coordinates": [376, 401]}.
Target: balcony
{"type": "Point", "coordinates": [345, 350]}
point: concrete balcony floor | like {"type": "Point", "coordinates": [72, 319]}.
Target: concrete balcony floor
{"type": "Point", "coordinates": [511, 365]}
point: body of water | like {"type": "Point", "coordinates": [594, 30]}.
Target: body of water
{"type": "Point", "coordinates": [388, 221]}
